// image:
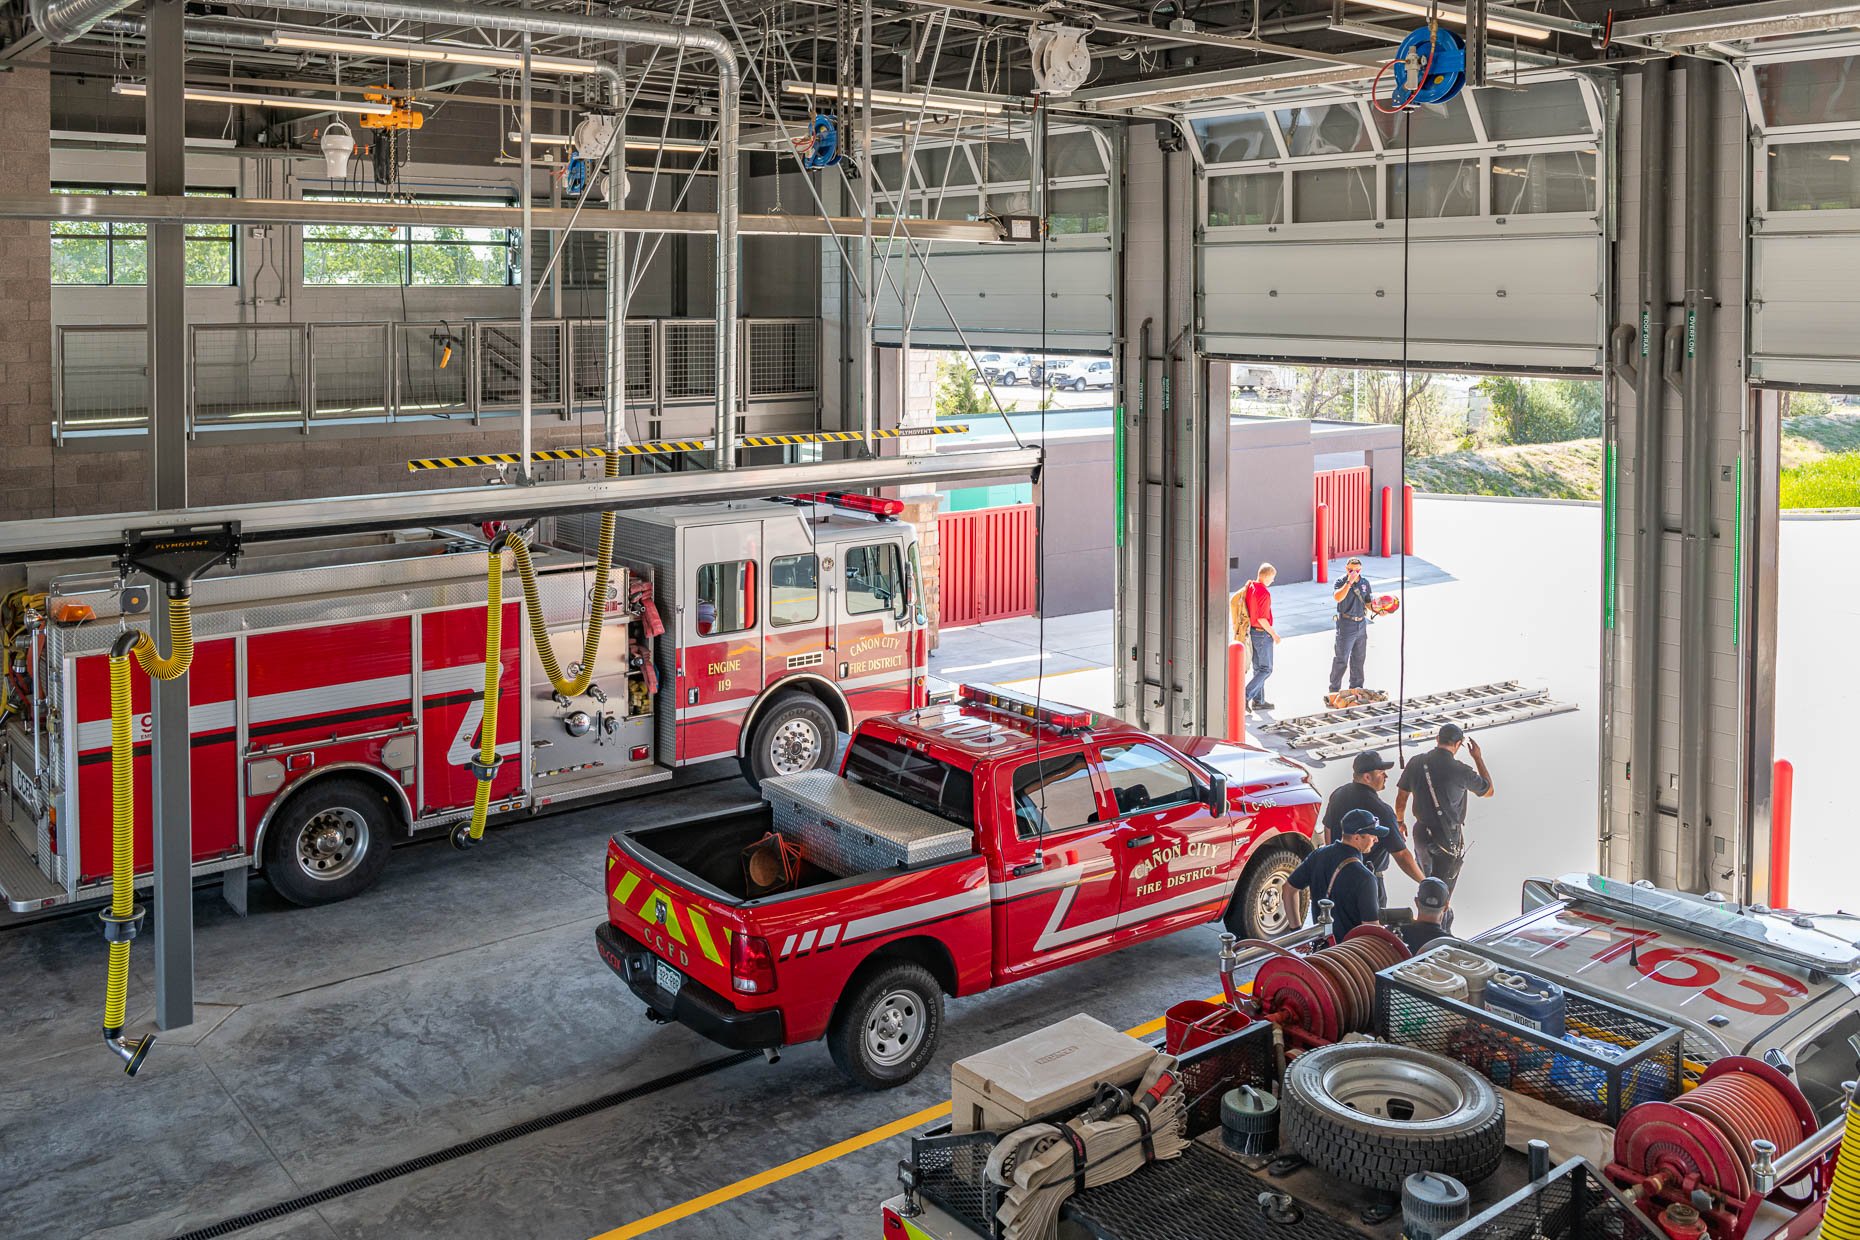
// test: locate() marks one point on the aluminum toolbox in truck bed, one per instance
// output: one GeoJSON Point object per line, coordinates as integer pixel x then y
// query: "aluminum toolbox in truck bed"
{"type": "Point", "coordinates": [851, 829]}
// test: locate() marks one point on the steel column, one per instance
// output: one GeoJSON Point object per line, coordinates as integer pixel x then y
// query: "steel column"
{"type": "Point", "coordinates": [1697, 858]}
{"type": "Point", "coordinates": [1649, 473]}
{"type": "Point", "coordinates": [526, 325]}
{"type": "Point", "coordinates": [166, 173]}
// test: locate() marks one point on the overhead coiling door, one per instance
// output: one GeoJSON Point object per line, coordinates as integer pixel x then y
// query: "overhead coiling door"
{"type": "Point", "coordinates": [1303, 255]}
{"type": "Point", "coordinates": [1034, 297]}
{"type": "Point", "coordinates": [1805, 219]}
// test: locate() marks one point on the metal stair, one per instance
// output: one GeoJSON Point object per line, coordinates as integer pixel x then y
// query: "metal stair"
{"type": "Point", "coordinates": [1341, 733]}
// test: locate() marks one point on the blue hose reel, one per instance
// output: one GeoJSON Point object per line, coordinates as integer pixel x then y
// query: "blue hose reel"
{"type": "Point", "coordinates": [1443, 77]}
{"type": "Point", "coordinates": [575, 176]}
{"type": "Point", "coordinates": [825, 151]}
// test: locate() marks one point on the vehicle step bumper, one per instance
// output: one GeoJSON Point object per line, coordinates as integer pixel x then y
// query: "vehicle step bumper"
{"type": "Point", "coordinates": [696, 1007]}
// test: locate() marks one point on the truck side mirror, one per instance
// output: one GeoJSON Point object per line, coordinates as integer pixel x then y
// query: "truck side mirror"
{"type": "Point", "coordinates": [1217, 794]}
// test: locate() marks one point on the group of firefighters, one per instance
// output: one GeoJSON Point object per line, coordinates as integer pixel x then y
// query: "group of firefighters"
{"type": "Point", "coordinates": [1364, 832]}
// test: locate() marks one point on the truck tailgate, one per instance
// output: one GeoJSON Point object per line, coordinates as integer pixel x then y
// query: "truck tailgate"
{"type": "Point", "coordinates": [689, 930]}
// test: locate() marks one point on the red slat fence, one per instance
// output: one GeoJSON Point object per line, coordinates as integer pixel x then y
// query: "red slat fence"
{"type": "Point", "coordinates": [1346, 495]}
{"type": "Point", "coordinates": [987, 564]}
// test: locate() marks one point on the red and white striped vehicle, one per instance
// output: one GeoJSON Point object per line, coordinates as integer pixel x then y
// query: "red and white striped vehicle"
{"type": "Point", "coordinates": [336, 690]}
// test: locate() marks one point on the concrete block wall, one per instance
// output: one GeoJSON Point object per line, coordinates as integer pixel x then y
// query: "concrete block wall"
{"type": "Point", "coordinates": [1725, 808]}
{"type": "Point", "coordinates": [26, 453]}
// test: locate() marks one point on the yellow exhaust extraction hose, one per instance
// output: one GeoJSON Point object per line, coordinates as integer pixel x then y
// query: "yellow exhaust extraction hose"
{"type": "Point", "coordinates": [468, 834]}
{"type": "Point", "coordinates": [532, 603]}
{"type": "Point", "coordinates": [123, 919]}
{"type": "Point", "coordinates": [1841, 1221]}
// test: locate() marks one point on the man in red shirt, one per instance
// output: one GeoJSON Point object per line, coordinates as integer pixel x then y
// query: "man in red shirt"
{"type": "Point", "coordinates": [1261, 635]}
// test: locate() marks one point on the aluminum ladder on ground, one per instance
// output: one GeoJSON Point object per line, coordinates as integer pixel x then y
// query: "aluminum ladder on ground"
{"type": "Point", "coordinates": [1340, 733]}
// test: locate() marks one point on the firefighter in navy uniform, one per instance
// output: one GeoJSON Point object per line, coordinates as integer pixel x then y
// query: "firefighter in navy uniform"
{"type": "Point", "coordinates": [1340, 873]}
{"type": "Point", "coordinates": [1369, 776]}
{"type": "Point", "coordinates": [1430, 915]}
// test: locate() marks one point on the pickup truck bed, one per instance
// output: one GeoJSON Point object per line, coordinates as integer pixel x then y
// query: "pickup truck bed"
{"type": "Point", "coordinates": [709, 851]}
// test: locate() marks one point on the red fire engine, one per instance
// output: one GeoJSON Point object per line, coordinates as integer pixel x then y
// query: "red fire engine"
{"type": "Point", "coordinates": [337, 685]}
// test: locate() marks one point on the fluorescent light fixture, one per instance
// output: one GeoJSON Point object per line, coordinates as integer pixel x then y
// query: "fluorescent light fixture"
{"type": "Point", "coordinates": [444, 53]}
{"type": "Point", "coordinates": [632, 144]}
{"type": "Point", "coordinates": [1415, 9]}
{"type": "Point", "coordinates": [307, 103]}
{"type": "Point", "coordinates": [938, 101]}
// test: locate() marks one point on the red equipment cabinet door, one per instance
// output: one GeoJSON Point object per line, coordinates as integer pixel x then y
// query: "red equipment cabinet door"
{"type": "Point", "coordinates": [452, 705]}
{"type": "Point", "coordinates": [214, 766]}
{"type": "Point", "coordinates": [1174, 857]}
{"type": "Point", "coordinates": [720, 629]}
{"type": "Point", "coordinates": [1059, 891]}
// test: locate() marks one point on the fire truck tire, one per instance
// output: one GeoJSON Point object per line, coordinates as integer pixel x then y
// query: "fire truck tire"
{"type": "Point", "coordinates": [794, 733]}
{"type": "Point", "coordinates": [1374, 1114]}
{"type": "Point", "coordinates": [887, 1026]}
{"type": "Point", "coordinates": [1264, 904]}
{"type": "Point", "coordinates": [330, 841]}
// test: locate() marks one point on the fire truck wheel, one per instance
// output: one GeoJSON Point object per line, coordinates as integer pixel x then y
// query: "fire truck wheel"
{"type": "Point", "coordinates": [1264, 904]}
{"type": "Point", "coordinates": [329, 842]}
{"type": "Point", "coordinates": [887, 1025]}
{"type": "Point", "coordinates": [1373, 1114]}
{"type": "Point", "coordinates": [795, 733]}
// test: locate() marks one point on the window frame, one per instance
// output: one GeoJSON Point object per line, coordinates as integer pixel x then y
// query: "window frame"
{"type": "Point", "coordinates": [748, 593]}
{"type": "Point", "coordinates": [1197, 790]}
{"type": "Point", "coordinates": [112, 233]}
{"type": "Point", "coordinates": [775, 620]}
{"type": "Point", "coordinates": [888, 608]}
{"type": "Point", "coordinates": [1094, 776]}
{"type": "Point", "coordinates": [405, 241]}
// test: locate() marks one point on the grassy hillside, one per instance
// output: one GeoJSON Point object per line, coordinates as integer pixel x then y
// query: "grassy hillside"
{"type": "Point", "coordinates": [1571, 470]}
{"type": "Point", "coordinates": [1820, 457]}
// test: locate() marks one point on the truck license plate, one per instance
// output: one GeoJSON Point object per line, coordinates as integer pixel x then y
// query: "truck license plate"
{"type": "Point", "coordinates": [669, 979]}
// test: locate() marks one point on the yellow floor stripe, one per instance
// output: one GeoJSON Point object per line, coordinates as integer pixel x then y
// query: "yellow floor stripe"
{"type": "Point", "coordinates": [807, 1162]}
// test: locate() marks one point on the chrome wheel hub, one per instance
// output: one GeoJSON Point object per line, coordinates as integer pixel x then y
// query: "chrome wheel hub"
{"type": "Point", "coordinates": [1274, 910]}
{"type": "Point", "coordinates": [332, 843]}
{"type": "Point", "coordinates": [795, 746]}
{"type": "Point", "coordinates": [894, 1028]}
{"type": "Point", "coordinates": [1393, 1089]}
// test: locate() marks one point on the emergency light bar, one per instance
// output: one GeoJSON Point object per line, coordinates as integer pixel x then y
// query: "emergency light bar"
{"type": "Point", "coordinates": [854, 503]}
{"type": "Point", "coordinates": [1065, 718]}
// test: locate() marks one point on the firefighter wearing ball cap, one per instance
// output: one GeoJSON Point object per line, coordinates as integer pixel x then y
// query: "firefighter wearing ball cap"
{"type": "Point", "coordinates": [1340, 873]}
{"type": "Point", "coordinates": [1430, 915]}
{"type": "Point", "coordinates": [1369, 776]}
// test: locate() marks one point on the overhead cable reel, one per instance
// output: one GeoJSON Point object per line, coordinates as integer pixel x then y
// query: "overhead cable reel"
{"type": "Point", "coordinates": [1061, 61]}
{"type": "Point", "coordinates": [823, 149]}
{"type": "Point", "coordinates": [1430, 67]}
{"type": "Point", "coordinates": [597, 136]}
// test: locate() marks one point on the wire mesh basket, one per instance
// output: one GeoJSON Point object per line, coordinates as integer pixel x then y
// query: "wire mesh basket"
{"type": "Point", "coordinates": [1573, 1202]}
{"type": "Point", "coordinates": [1606, 1060]}
{"type": "Point", "coordinates": [947, 1169]}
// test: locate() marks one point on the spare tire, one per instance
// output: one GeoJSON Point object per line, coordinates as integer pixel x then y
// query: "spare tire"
{"type": "Point", "coordinates": [1375, 1114]}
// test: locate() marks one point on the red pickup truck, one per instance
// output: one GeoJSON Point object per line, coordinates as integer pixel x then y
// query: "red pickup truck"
{"type": "Point", "coordinates": [1076, 834]}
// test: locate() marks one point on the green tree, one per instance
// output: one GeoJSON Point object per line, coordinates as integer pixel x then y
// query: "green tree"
{"type": "Point", "coordinates": [957, 394]}
{"type": "Point", "coordinates": [1532, 411]}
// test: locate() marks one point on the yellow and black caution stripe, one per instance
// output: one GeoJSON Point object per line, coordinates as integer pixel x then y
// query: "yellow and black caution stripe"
{"type": "Point", "coordinates": [662, 447]}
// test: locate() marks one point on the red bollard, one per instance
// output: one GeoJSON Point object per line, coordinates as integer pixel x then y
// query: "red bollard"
{"type": "Point", "coordinates": [1407, 519]}
{"type": "Point", "coordinates": [1388, 507]}
{"type": "Point", "coordinates": [1236, 691]}
{"type": "Point", "coordinates": [1322, 522]}
{"type": "Point", "coordinates": [1782, 808]}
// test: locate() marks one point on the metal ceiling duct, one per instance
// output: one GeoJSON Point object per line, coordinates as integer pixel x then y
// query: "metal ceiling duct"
{"type": "Point", "coordinates": [64, 20]}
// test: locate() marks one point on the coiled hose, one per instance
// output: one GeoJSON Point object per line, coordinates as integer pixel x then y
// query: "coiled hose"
{"type": "Point", "coordinates": [484, 768]}
{"type": "Point", "coordinates": [123, 919]}
{"type": "Point", "coordinates": [1841, 1221]}
{"type": "Point", "coordinates": [532, 602]}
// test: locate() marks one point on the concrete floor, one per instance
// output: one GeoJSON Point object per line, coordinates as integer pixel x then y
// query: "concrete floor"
{"type": "Point", "coordinates": [458, 997]}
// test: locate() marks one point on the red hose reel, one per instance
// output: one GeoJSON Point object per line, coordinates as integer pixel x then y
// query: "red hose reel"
{"type": "Point", "coordinates": [1701, 1141]}
{"type": "Point", "coordinates": [1317, 998]}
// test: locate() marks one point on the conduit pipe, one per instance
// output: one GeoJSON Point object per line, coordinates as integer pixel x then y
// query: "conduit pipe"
{"type": "Point", "coordinates": [1650, 472]}
{"type": "Point", "coordinates": [1698, 458]}
{"type": "Point", "coordinates": [64, 20]}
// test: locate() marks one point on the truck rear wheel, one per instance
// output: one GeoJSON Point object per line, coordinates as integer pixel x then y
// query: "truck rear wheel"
{"type": "Point", "coordinates": [329, 842]}
{"type": "Point", "coordinates": [887, 1027]}
{"type": "Point", "coordinates": [1265, 904]}
{"type": "Point", "coordinates": [795, 733]}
